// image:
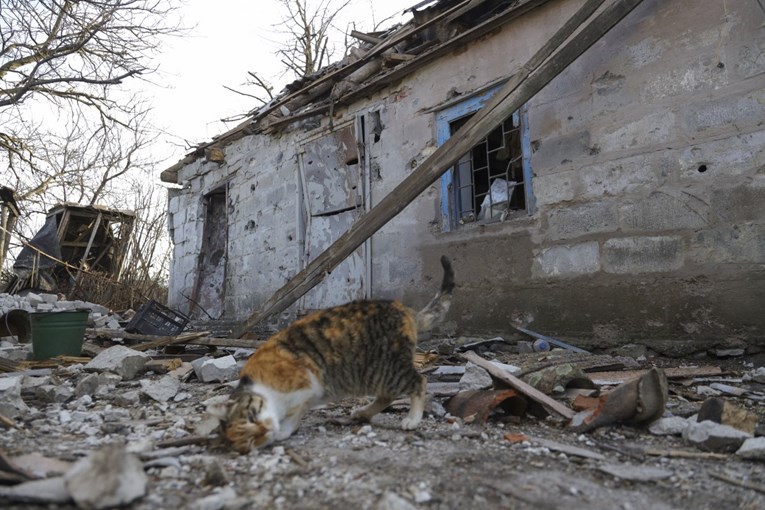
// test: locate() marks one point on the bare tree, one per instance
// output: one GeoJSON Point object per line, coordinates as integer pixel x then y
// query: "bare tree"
{"type": "Point", "coordinates": [70, 130]}
{"type": "Point", "coordinates": [308, 30]}
{"type": "Point", "coordinates": [68, 55]}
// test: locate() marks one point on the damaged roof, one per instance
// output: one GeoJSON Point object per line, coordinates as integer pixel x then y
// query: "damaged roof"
{"type": "Point", "coordinates": [380, 59]}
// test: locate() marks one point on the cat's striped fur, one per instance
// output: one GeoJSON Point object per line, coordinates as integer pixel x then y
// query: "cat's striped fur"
{"type": "Point", "coordinates": [358, 349]}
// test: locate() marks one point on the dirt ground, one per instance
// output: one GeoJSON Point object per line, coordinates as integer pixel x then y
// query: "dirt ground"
{"type": "Point", "coordinates": [445, 464]}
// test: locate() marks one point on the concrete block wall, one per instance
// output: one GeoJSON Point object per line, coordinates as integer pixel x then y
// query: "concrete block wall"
{"type": "Point", "coordinates": [648, 167]}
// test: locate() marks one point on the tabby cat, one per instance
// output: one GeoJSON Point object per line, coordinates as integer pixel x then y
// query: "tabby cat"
{"type": "Point", "coordinates": [357, 349]}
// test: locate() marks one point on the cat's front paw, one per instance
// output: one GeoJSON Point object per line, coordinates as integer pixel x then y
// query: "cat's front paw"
{"type": "Point", "coordinates": [410, 423]}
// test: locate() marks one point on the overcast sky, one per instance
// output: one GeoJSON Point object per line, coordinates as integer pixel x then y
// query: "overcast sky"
{"type": "Point", "coordinates": [229, 38]}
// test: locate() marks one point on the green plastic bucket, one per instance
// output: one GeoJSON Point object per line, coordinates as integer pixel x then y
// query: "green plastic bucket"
{"type": "Point", "coordinates": [57, 333]}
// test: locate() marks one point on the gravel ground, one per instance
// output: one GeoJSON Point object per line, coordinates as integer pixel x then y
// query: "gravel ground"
{"type": "Point", "coordinates": [327, 464]}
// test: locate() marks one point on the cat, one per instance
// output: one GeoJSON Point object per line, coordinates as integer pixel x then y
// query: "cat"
{"type": "Point", "coordinates": [358, 349]}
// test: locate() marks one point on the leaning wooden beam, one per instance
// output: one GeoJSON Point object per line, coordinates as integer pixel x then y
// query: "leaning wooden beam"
{"type": "Point", "coordinates": [519, 385]}
{"type": "Point", "coordinates": [518, 90]}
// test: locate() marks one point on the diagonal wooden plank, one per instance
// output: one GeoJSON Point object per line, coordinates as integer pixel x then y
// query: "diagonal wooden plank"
{"type": "Point", "coordinates": [532, 77]}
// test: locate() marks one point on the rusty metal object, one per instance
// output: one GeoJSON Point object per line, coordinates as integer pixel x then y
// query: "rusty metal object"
{"type": "Point", "coordinates": [636, 402]}
{"type": "Point", "coordinates": [477, 405]}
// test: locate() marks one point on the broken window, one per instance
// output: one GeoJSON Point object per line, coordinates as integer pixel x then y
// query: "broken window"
{"type": "Point", "coordinates": [492, 181]}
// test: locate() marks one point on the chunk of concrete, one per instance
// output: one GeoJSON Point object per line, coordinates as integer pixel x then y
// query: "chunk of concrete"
{"type": "Point", "coordinates": [54, 393]}
{"type": "Point", "coordinates": [671, 426]}
{"type": "Point", "coordinates": [11, 403]}
{"type": "Point", "coordinates": [121, 360]}
{"type": "Point", "coordinates": [162, 389]}
{"type": "Point", "coordinates": [221, 369]}
{"type": "Point", "coordinates": [753, 449]}
{"type": "Point", "coordinates": [635, 473]}
{"type": "Point", "coordinates": [475, 378]}
{"type": "Point", "coordinates": [109, 478]}
{"type": "Point", "coordinates": [714, 437]}
{"type": "Point", "coordinates": [216, 500]}
{"type": "Point", "coordinates": [720, 410]}
{"type": "Point", "coordinates": [392, 501]}
{"type": "Point", "coordinates": [756, 375]}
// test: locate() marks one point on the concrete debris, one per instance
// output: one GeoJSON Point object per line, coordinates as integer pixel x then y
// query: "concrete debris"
{"type": "Point", "coordinates": [753, 449]}
{"type": "Point", "coordinates": [714, 437]}
{"type": "Point", "coordinates": [121, 360]}
{"type": "Point", "coordinates": [392, 501]}
{"type": "Point", "coordinates": [73, 412]}
{"type": "Point", "coordinates": [756, 375]}
{"type": "Point", "coordinates": [110, 477]}
{"type": "Point", "coordinates": [475, 378]}
{"type": "Point", "coordinates": [52, 393]}
{"type": "Point", "coordinates": [729, 353]}
{"type": "Point", "coordinates": [215, 501]}
{"type": "Point", "coordinates": [635, 473]}
{"type": "Point", "coordinates": [162, 389]}
{"type": "Point", "coordinates": [724, 411]}
{"type": "Point", "coordinates": [221, 369]}
{"type": "Point", "coordinates": [670, 426]}
{"type": "Point", "coordinates": [11, 403]}
{"type": "Point", "coordinates": [96, 384]}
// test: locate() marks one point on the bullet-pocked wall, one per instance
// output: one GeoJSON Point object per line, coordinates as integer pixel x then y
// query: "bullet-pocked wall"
{"type": "Point", "coordinates": [645, 161]}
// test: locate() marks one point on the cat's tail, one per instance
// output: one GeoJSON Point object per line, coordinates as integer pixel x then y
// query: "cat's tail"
{"type": "Point", "coordinates": [435, 311]}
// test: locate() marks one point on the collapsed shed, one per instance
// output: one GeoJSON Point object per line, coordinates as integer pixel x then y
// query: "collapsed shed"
{"type": "Point", "coordinates": [619, 200]}
{"type": "Point", "coordinates": [74, 241]}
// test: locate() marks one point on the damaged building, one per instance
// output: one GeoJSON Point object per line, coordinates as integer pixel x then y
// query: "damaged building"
{"type": "Point", "coordinates": [621, 201]}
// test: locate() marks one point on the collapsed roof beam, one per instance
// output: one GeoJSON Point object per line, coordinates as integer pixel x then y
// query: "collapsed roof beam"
{"type": "Point", "coordinates": [530, 79]}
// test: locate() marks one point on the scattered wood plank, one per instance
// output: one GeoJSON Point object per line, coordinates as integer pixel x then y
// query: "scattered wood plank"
{"type": "Point", "coordinates": [57, 362]}
{"type": "Point", "coordinates": [243, 343]}
{"type": "Point", "coordinates": [297, 459]}
{"type": "Point", "coordinates": [193, 340]}
{"type": "Point", "coordinates": [684, 454]}
{"type": "Point", "coordinates": [118, 333]}
{"type": "Point", "coordinates": [519, 385]}
{"type": "Point", "coordinates": [7, 422]}
{"type": "Point", "coordinates": [180, 339]}
{"type": "Point", "coordinates": [738, 482]}
{"type": "Point", "coordinates": [7, 365]}
{"type": "Point", "coordinates": [671, 373]}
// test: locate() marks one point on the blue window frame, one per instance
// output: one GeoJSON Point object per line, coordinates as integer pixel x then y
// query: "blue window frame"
{"type": "Point", "coordinates": [492, 182]}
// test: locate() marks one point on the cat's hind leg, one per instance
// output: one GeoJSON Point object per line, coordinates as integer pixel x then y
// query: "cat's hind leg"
{"type": "Point", "coordinates": [365, 413]}
{"type": "Point", "coordinates": [418, 396]}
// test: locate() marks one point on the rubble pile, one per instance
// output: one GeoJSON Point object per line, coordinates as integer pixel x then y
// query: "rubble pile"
{"type": "Point", "coordinates": [32, 302]}
{"type": "Point", "coordinates": [506, 425]}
